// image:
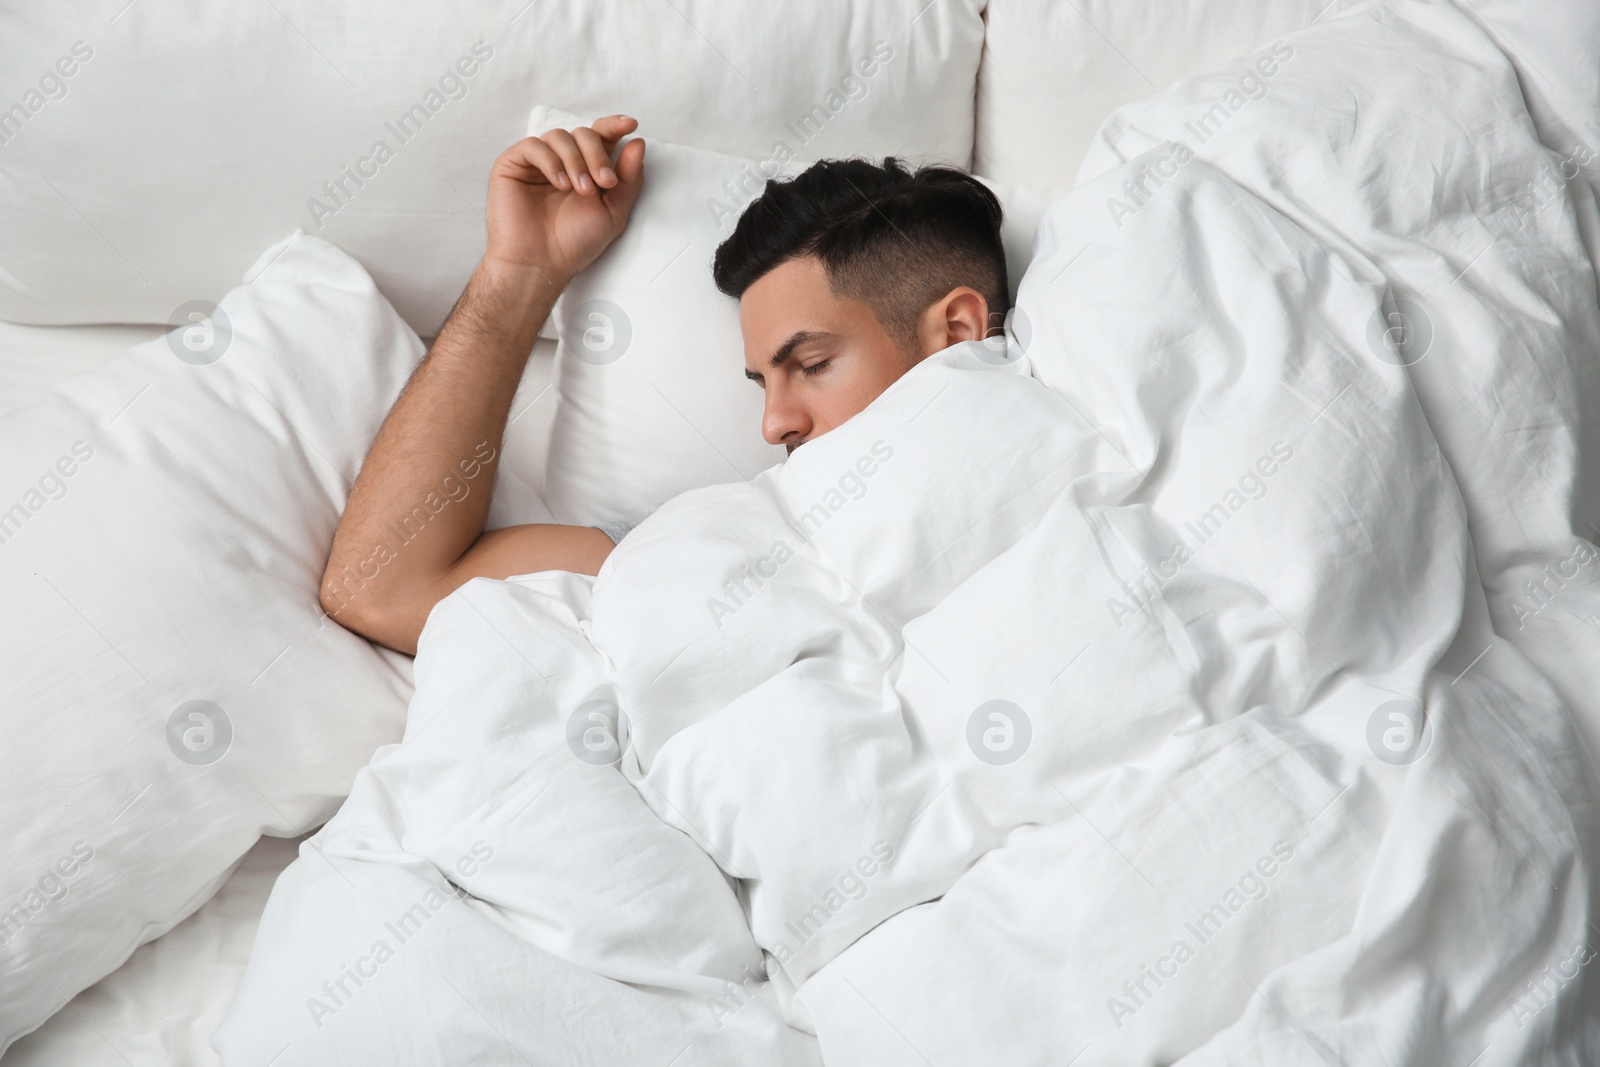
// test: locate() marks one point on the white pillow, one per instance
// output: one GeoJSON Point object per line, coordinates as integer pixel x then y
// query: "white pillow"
{"type": "Point", "coordinates": [1024, 206]}
{"type": "Point", "coordinates": [651, 398]}
{"type": "Point", "coordinates": [172, 689]}
{"type": "Point", "coordinates": [218, 125]}
{"type": "Point", "coordinates": [1052, 72]}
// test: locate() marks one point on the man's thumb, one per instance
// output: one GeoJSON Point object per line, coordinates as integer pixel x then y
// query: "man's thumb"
{"type": "Point", "coordinates": [630, 178]}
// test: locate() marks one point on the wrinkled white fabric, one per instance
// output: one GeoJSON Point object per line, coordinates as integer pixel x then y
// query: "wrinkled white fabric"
{"type": "Point", "coordinates": [1130, 695]}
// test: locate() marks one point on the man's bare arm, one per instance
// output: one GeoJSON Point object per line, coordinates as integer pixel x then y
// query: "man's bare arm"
{"type": "Point", "coordinates": [412, 531]}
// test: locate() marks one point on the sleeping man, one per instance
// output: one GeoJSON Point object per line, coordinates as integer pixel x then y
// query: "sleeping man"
{"type": "Point", "coordinates": [847, 276]}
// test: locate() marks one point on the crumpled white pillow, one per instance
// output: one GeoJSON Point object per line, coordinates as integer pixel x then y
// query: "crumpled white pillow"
{"type": "Point", "coordinates": [172, 689]}
{"type": "Point", "coordinates": [651, 398]}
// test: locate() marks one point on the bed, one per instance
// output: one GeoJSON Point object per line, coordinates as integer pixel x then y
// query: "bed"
{"type": "Point", "coordinates": [1111, 87]}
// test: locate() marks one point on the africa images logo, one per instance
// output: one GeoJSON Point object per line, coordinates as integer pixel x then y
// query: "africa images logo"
{"type": "Point", "coordinates": [1252, 484]}
{"type": "Point", "coordinates": [454, 84]}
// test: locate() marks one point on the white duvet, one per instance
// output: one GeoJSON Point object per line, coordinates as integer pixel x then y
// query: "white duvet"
{"type": "Point", "coordinates": [1128, 696]}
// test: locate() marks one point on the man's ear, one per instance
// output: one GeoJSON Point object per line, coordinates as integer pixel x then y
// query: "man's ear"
{"type": "Point", "coordinates": [962, 314]}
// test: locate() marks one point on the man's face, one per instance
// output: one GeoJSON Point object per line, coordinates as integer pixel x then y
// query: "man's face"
{"type": "Point", "coordinates": [819, 358]}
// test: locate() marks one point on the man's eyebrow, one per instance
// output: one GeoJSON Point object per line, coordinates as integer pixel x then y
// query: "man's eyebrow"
{"type": "Point", "coordinates": [796, 339]}
{"type": "Point", "coordinates": [785, 350]}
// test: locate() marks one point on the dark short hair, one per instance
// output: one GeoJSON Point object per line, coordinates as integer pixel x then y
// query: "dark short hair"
{"type": "Point", "coordinates": [894, 238]}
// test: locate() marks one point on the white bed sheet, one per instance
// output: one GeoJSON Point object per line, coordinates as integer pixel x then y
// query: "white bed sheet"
{"type": "Point", "coordinates": [159, 1008]}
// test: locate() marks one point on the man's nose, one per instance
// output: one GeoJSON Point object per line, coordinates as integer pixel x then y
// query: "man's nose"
{"type": "Point", "coordinates": [784, 421]}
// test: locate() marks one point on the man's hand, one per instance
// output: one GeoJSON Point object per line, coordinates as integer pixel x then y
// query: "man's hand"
{"type": "Point", "coordinates": [412, 531]}
{"type": "Point", "coordinates": [555, 202]}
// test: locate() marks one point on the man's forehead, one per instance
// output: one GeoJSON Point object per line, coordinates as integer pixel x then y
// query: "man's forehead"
{"type": "Point", "coordinates": [794, 298]}
{"type": "Point", "coordinates": [782, 303]}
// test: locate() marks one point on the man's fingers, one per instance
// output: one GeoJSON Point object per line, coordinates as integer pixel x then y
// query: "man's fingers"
{"type": "Point", "coordinates": [564, 145]}
{"type": "Point", "coordinates": [531, 159]}
{"type": "Point", "coordinates": [630, 178]}
{"type": "Point", "coordinates": [596, 156]}
{"type": "Point", "coordinates": [576, 160]}
{"type": "Point", "coordinates": [612, 128]}
{"type": "Point", "coordinates": [630, 164]}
